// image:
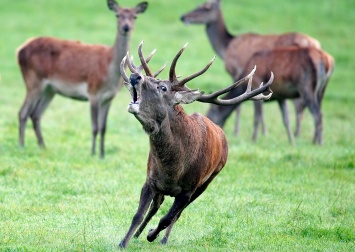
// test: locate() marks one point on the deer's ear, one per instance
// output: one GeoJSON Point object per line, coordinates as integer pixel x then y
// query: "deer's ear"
{"type": "Point", "coordinates": [112, 5]}
{"type": "Point", "coordinates": [187, 96]}
{"type": "Point", "coordinates": [141, 7]}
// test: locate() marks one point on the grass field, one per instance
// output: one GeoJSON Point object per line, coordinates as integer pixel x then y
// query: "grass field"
{"type": "Point", "coordinates": [269, 197]}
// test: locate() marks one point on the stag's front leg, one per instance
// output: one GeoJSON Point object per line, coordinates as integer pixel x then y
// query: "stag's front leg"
{"type": "Point", "coordinates": [145, 199]}
{"type": "Point", "coordinates": [181, 201]}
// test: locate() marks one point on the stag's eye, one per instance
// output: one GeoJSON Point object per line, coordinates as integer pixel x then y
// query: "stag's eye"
{"type": "Point", "coordinates": [162, 88]}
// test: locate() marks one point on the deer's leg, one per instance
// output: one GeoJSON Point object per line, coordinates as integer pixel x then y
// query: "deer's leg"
{"type": "Point", "coordinates": [145, 199]}
{"type": "Point", "coordinates": [102, 120]}
{"type": "Point", "coordinates": [237, 119]}
{"type": "Point", "coordinates": [317, 115]}
{"type": "Point", "coordinates": [94, 109]}
{"type": "Point", "coordinates": [180, 202]}
{"type": "Point", "coordinates": [36, 115]}
{"type": "Point", "coordinates": [284, 111]}
{"type": "Point", "coordinates": [157, 201]}
{"type": "Point", "coordinates": [299, 108]}
{"type": "Point", "coordinates": [262, 119]}
{"type": "Point", "coordinates": [26, 109]}
{"type": "Point", "coordinates": [257, 118]}
{"type": "Point", "coordinates": [197, 193]}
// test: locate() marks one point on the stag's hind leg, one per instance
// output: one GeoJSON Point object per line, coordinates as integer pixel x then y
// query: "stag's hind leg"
{"type": "Point", "coordinates": [196, 194]}
{"type": "Point", "coordinates": [157, 201]}
{"type": "Point", "coordinates": [180, 202]}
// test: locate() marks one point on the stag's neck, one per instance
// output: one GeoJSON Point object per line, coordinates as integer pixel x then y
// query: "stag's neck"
{"type": "Point", "coordinates": [218, 35]}
{"type": "Point", "coordinates": [167, 131]}
{"type": "Point", "coordinates": [172, 139]}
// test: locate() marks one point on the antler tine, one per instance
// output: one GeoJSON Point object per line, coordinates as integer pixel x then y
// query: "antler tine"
{"type": "Point", "coordinates": [122, 69]}
{"type": "Point", "coordinates": [261, 96]}
{"type": "Point", "coordinates": [143, 61]}
{"type": "Point", "coordinates": [130, 64]}
{"type": "Point", "coordinates": [227, 89]}
{"type": "Point", "coordinates": [138, 69]}
{"type": "Point", "coordinates": [187, 79]}
{"type": "Point", "coordinates": [248, 94]}
{"type": "Point", "coordinates": [159, 71]}
{"type": "Point", "coordinates": [172, 75]}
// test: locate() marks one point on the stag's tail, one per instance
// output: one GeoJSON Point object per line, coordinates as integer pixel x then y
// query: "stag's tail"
{"type": "Point", "coordinates": [325, 67]}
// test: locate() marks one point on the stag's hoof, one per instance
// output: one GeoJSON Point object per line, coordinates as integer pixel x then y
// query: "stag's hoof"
{"type": "Point", "coordinates": [151, 235]}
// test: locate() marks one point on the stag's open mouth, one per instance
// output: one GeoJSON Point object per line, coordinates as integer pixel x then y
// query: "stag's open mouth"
{"type": "Point", "coordinates": [135, 97]}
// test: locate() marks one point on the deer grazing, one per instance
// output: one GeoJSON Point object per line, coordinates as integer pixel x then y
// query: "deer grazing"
{"type": "Point", "coordinates": [236, 51]}
{"type": "Point", "coordinates": [80, 71]}
{"type": "Point", "coordinates": [299, 72]}
{"type": "Point", "coordinates": [186, 151]}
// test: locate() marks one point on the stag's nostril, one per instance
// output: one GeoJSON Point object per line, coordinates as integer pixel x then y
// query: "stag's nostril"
{"type": "Point", "coordinates": [134, 79]}
{"type": "Point", "coordinates": [182, 18]}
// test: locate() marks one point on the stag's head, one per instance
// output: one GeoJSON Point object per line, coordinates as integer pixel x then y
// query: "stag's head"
{"type": "Point", "coordinates": [126, 16]}
{"type": "Point", "coordinates": [155, 96]}
{"type": "Point", "coordinates": [204, 14]}
{"type": "Point", "coordinates": [154, 99]}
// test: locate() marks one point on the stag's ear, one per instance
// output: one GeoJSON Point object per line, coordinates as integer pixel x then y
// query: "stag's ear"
{"type": "Point", "coordinates": [141, 7]}
{"type": "Point", "coordinates": [187, 96]}
{"type": "Point", "coordinates": [112, 5]}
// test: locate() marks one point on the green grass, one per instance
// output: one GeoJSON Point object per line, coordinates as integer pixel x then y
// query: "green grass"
{"type": "Point", "coordinates": [269, 197]}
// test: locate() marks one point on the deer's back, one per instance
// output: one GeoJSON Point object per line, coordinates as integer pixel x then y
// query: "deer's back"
{"type": "Point", "coordinates": [242, 47]}
{"type": "Point", "coordinates": [295, 69]}
{"type": "Point", "coordinates": [63, 59]}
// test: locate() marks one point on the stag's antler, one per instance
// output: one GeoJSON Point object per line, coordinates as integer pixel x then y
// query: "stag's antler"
{"type": "Point", "coordinates": [213, 98]}
{"type": "Point", "coordinates": [255, 95]}
{"type": "Point", "coordinates": [138, 69]}
{"type": "Point", "coordinates": [172, 76]}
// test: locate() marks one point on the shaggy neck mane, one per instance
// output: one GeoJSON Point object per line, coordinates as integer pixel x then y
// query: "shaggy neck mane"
{"type": "Point", "coordinates": [177, 135]}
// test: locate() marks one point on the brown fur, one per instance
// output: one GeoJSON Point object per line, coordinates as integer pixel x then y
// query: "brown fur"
{"type": "Point", "coordinates": [48, 57]}
{"type": "Point", "coordinates": [299, 72]}
{"type": "Point", "coordinates": [186, 151]}
{"type": "Point", "coordinates": [76, 70]}
{"type": "Point", "coordinates": [237, 50]}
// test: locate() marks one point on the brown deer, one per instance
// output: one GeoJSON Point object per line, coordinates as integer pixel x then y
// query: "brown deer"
{"type": "Point", "coordinates": [237, 50]}
{"type": "Point", "coordinates": [186, 151]}
{"type": "Point", "coordinates": [299, 72]}
{"type": "Point", "coordinates": [76, 70]}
